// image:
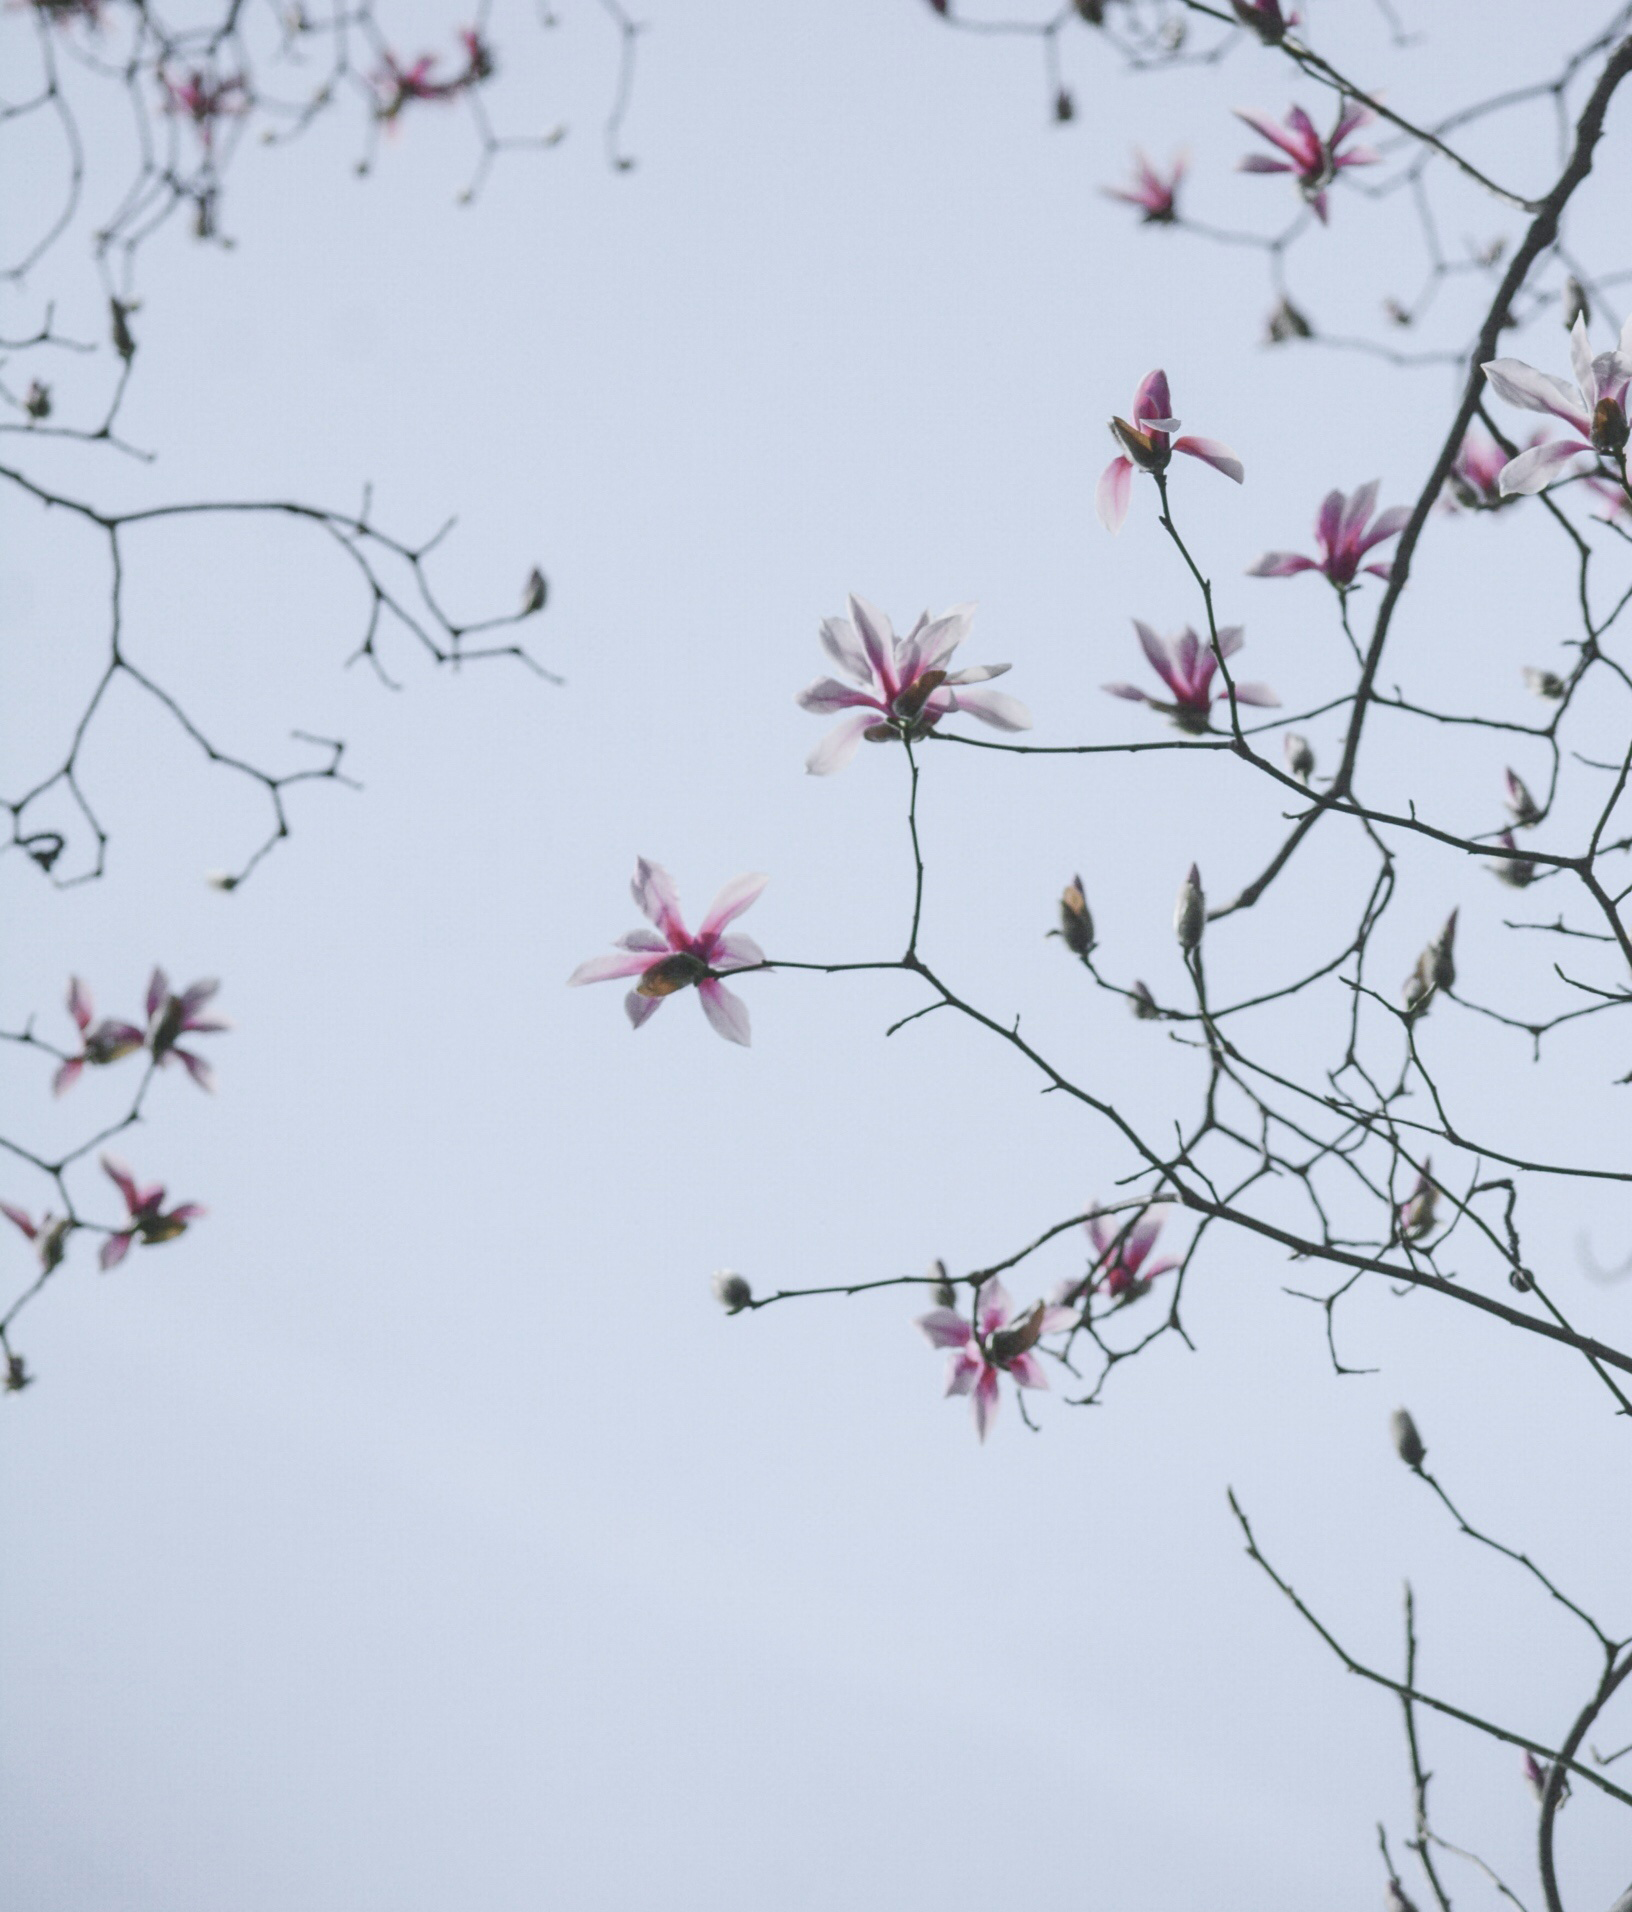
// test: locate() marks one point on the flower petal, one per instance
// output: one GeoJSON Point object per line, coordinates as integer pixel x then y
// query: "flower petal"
{"type": "Point", "coordinates": [1534, 391]}
{"type": "Point", "coordinates": [839, 640]}
{"type": "Point", "coordinates": [737, 896]}
{"type": "Point", "coordinates": [124, 1181]}
{"type": "Point", "coordinates": [1114, 491]}
{"type": "Point", "coordinates": [113, 1251]}
{"type": "Point", "coordinates": [67, 1075]}
{"type": "Point", "coordinates": [986, 1399]}
{"type": "Point", "coordinates": [1262, 163]}
{"type": "Point", "coordinates": [827, 693]}
{"type": "Point", "coordinates": [1270, 129]}
{"type": "Point", "coordinates": [1280, 564]}
{"type": "Point", "coordinates": [657, 899]}
{"type": "Point", "coordinates": [1153, 402]}
{"type": "Point", "coordinates": [1260, 694]}
{"type": "Point", "coordinates": [736, 952]}
{"type": "Point", "coordinates": [728, 1014]}
{"type": "Point", "coordinates": [1028, 1371]}
{"type": "Point", "coordinates": [79, 1004]}
{"type": "Point", "coordinates": [158, 987]}
{"type": "Point", "coordinates": [1535, 470]}
{"type": "Point", "coordinates": [646, 939]}
{"type": "Point", "coordinates": [19, 1218]}
{"type": "Point", "coordinates": [944, 1327]}
{"type": "Point", "coordinates": [603, 969]}
{"type": "Point", "coordinates": [992, 1305]}
{"type": "Point", "coordinates": [1211, 452]}
{"type": "Point", "coordinates": [639, 1008]}
{"type": "Point", "coordinates": [877, 640]}
{"type": "Point", "coordinates": [838, 746]}
{"type": "Point", "coordinates": [993, 707]}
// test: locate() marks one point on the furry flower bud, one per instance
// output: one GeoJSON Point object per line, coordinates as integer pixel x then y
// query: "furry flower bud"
{"type": "Point", "coordinates": [1300, 758]}
{"type": "Point", "coordinates": [1521, 805]}
{"type": "Point", "coordinates": [1190, 912]}
{"type": "Point", "coordinates": [946, 1296]}
{"type": "Point", "coordinates": [1143, 1003]}
{"type": "Point", "coordinates": [1407, 1441]}
{"type": "Point", "coordinates": [731, 1291]}
{"type": "Point", "coordinates": [37, 399]}
{"type": "Point", "coordinates": [1546, 684]}
{"type": "Point", "coordinates": [534, 592]}
{"type": "Point", "coordinates": [1076, 920]}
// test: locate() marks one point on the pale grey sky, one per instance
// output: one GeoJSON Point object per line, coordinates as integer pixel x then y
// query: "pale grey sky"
{"type": "Point", "coordinates": [417, 1533]}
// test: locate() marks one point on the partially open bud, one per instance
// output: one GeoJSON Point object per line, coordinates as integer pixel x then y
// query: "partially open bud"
{"type": "Point", "coordinates": [1287, 322]}
{"type": "Point", "coordinates": [1076, 922]}
{"type": "Point", "coordinates": [731, 1291]}
{"type": "Point", "coordinates": [1417, 1211]}
{"type": "Point", "coordinates": [1143, 1003]}
{"type": "Point", "coordinates": [17, 1376]}
{"type": "Point", "coordinates": [1573, 303]}
{"type": "Point", "coordinates": [37, 399]}
{"type": "Point", "coordinates": [1523, 807]}
{"type": "Point", "coordinates": [678, 971]}
{"type": "Point", "coordinates": [946, 1296]}
{"type": "Point", "coordinates": [1544, 683]}
{"type": "Point", "coordinates": [1190, 912]}
{"type": "Point", "coordinates": [534, 592]}
{"type": "Point", "coordinates": [1265, 18]}
{"type": "Point", "coordinates": [1443, 968]}
{"type": "Point", "coordinates": [1300, 758]}
{"type": "Point", "coordinates": [1065, 108]}
{"type": "Point", "coordinates": [1407, 1441]}
{"type": "Point", "coordinates": [1519, 872]}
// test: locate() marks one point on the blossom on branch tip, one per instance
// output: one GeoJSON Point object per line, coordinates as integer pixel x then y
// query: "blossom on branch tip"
{"type": "Point", "coordinates": [1546, 684]}
{"type": "Point", "coordinates": [1435, 968]}
{"type": "Point", "coordinates": [906, 687]}
{"type": "Point", "coordinates": [1407, 1441]}
{"type": "Point", "coordinates": [1300, 757]}
{"type": "Point", "coordinates": [1521, 805]}
{"type": "Point", "coordinates": [1594, 407]}
{"type": "Point", "coordinates": [731, 1291]}
{"type": "Point", "coordinates": [1538, 1777]}
{"type": "Point", "coordinates": [1142, 1003]}
{"type": "Point", "coordinates": [1076, 928]}
{"type": "Point", "coordinates": [49, 1234]}
{"type": "Point", "coordinates": [1122, 1268]}
{"type": "Point", "coordinates": [1150, 192]}
{"type": "Point", "coordinates": [1190, 912]}
{"type": "Point", "coordinates": [1287, 322]}
{"type": "Point", "coordinates": [17, 1376]}
{"type": "Point", "coordinates": [1314, 162]}
{"type": "Point", "coordinates": [170, 1017]}
{"type": "Point", "coordinates": [148, 1221]}
{"type": "Point", "coordinates": [1265, 18]}
{"type": "Point", "coordinates": [203, 99]}
{"type": "Point", "coordinates": [1475, 480]}
{"type": "Point", "coordinates": [37, 400]}
{"type": "Point", "coordinates": [992, 1345]}
{"type": "Point", "coordinates": [1149, 444]}
{"type": "Point", "coordinates": [1395, 1900]}
{"type": "Point", "coordinates": [1345, 531]}
{"type": "Point", "coordinates": [99, 1042]}
{"type": "Point", "coordinates": [668, 958]}
{"type": "Point", "coordinates": [534, 592]}
{"type": "Point", "coordinates": [1187, 666]}
{"type": "Point", "coordinates": [1518, 872]}
{"type": "Point", "coordinates": [1418, 1212]}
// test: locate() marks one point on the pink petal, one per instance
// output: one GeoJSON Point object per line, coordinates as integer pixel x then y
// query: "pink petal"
{"type": "Point", "coordinates": [19, 1219]}
{"type": "Point", "coordinates": [838, 746]}
{"type": "Point", "coordinates": [1388, 524]}
{"type": "Point", "coordinates": [978, 674]}
{"type": "Point", "coordinates": [113, 1251]}
{"type": "Point", "coordinates": [1230, 640]}
{"type": "Point", "coordinates": [985, 1401]}
{"type": "Point", "coordinates": [1130, 691]}
{"type": "Point", "coordinates": [992, 1306]}
{"type": "Point", "coordinates": [658, 900]}
{"type": "Point", "coordinates": [878, 640]}
{"type": "Point", "coordinates": [1321, 208]}
{"type": "Point", "coordinates": [124, 1181]}
{"type": "Point", "coordinates": [1581, 362]}
{"type": "Point", "coordinates": [67, 1075]}
{"type": "Point", "coordinates": [994, 708]}
{"type": "Point", "coordinates": [840, 642]}
{"type": "Point", "coordinates": [200, 1070]}
{"type": "Point", "coordinates": [1056, 1319]}
{"type": "Point", "coordinates": [1262, 163]}
{"type": "Point", "coordinates": [728, 1014]}
{"type": "Point", "coordinates": [639, 1008]}
{"type": "Point", "coordinates": [1115, 490]}
{"type": "Point", "coordinates": [1280, 564]}
{"type": "Point", "coordinates": [1158, 655]}
{"type": "Point", "coordinates": [1259, 694]}
{"type": "Point", "coordinates": [944, 1327]}
{"type": "Point", "coordinates": [1028, 1371]}
{"type": "Point", "coordinates": [649, 940]}
{"type": "Point", "coordinates": [158, 987]}
{"type": "Point", "coordinates": [1211, 452]}
{"type": "Point", "coordinates": [188, 1212]}
{"type": "Point", "coordinates": [1153, 402]}
{"type": "Point", "coordinates": [1303, 131]}
{"type": "Point", "coordinates": [1534, 391]}
{"type": "Point", "coordinates": [602, 969]}
{"type": "Point", "coordinates": [827, 693]}
{"type": "Point", "coordinates": [1270, 129]}
{"type": "Point", "coordinates": [79, 1004]}
{"type": "Point", "coordinates": [1534, 470]}
{"type": "Point", "coordinates": [962, 1372]}
{"type": "Point", "coordinates": [737, 896]}
{"type": "Point", "coordinates": [736, 952]}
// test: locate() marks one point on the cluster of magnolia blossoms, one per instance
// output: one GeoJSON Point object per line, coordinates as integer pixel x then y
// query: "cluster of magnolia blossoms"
{"type": "Point", "coordinates": [1594, 408]}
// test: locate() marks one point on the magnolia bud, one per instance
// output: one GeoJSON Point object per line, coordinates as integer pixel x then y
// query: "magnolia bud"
{"type": "Point", "coordinates": [946, 1296]}
{"type": "Point", "coordinates": [534, 592]}
{"type": "Point", "coordinates": [37, 399]}
{"type": "Point", "coordinates": [221, 880]}
{"type": "Point", "coordinates": [1573, 303]}
{"type": "Point", "coordinates": [1443, 971]}
{"type": "Point", "coordinates": [1065, 108]}
{"type": "Point", "coordinates": [1517, 871]}
{"type": "Point", "coordinates": [731, 1291]}
{"type": "Point", "coordinates": [1544, 683]}
{"type": "Point", "coordinates": [1190, 912]}
{"type": "Point", "coordinates": [1300, 759]}
{"type": "Point", "coordinates": [1394, 1898]}
{"type": "Point", "coordinates": [1076, 921]}
{"type": "Point", "coordinates": [119, 329]}
{"type": "Point", "coordinates": [1524, 808]}
{"type": "Point", "coordinates": [1407, 1441]}
{"type": "Point", "coordinates": [17, 1376]}
{"type": "Point", "coordinates": [1287, 322]}
{"type": "Point", "coordinates": [1143, 1003]}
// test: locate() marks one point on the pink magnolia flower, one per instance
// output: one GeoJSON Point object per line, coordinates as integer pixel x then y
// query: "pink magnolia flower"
{"type": "Point", "coordinates": [906, 686]}
{"type": "Point", "coordinates": [49, 1234]}
{"type": "Point", "coordinates": [668, 957]}
{"type": "Point", "coordinates": [1155, 196]}
{"type": "Point", "coordinates": [203, 99]}
{"type": "Point", "coordinates": [100, 1044]}
{"type": "Point", "coordinates": [1121, 1254]}
{"type": "Point", "coordinates": [170, 1017]}
{"type": "Point", "coordinates": [1518, 872]}
{"type": "Point", "coordinates": [398, 84]}
{"type": "Point", "coordinates": [1187, 666]}
{"type": "Point", "coordinates": [1344, 538]}
{"type": "Point", "coordinates": [1149, 443]}
{"type": "Point", "coordinates": [148, 1223]}
{"type": "Point", "coordinates": [1266, 19]}
{"type": "Point", "coordinates": [1315, 162]}
{"type": "Point", "coordinates": [992, 1345]}
{"type": "Point", "coordinates": [1475, 477]}
{"type": "Point", "coordinates": [1594, 408]}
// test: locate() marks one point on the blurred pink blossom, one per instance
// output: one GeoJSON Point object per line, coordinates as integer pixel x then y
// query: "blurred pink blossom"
{"type": "Point", "coordinates": [49, 1234]}
{"type": "Point", "coordinates": [992, 1345]}
{"type": "Point", "coordinates": [171, 1017]}
{"type": "Point", "coordinates": [1148, 442]}
{"type": "Point", "coordinates": [1187, 666]}
{"type": "Point", "coordinates": [100, 1044]}
{"type": "Point", "coordinates": [906, 686]}
{"type": "Point", "coordinates": [1344, 538]}
{"type": "Point", "coordinates": [1594, 408]}
{"type": "Point", "coordinates": [149, 1223]}
{"type": "Point", "coordinates": [1155, 196]}
{"type": "Point", "coordinates": [668, 957]}
{"type": "Point", "coordinates": [1315, 162]}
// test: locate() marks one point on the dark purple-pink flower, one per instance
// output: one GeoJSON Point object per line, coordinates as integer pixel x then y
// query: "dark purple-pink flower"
{"type": "Point", "coordinates": [49, 1234]}
{"type": "Point", "coordinates": [1122, 1268]}
{"type": "Point", "coordinates": [149, 1222]}
{"type": "Point", "coordinates": [1346, 531]}
{"type": "Point", "coordinates": [668, 958]}
{"type": "Point", "coordinates": [1265, 18]}
{"type": "Point", "coordinates": [1154, 195]}
{"type": "Point", "coordinates": [1148, 442]}
{"type": "Point", "coordinates": [99, 1042]}
{"type": "Point", "coordinates": [1188, 666]}
{"type": "Point", "coordinates": [171, 1017]}
{"type": "Point", "coordinates": [203, 98]}
{"type": "Point", "coordinates": [906, 687]}
{"type": "Point", "coordinates": [992, 1345]}
{"type": "Point", "coordinates": [1313, 161]}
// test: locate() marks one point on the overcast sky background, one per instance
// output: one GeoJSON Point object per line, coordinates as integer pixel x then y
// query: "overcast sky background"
{"type": "Point", "coordinates": [417, 1532]}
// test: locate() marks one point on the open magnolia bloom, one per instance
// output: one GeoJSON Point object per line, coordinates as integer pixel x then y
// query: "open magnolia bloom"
{"type": "Point", "coordinates": [1345, 537]}
{"type": "Point", "coordinates": [99, 1042]}
{"type": "Point", "coordinates": [1121, 1268]}
{"type": "Point", "coordinates": [993, 1344]}
{"type": "Point", "coordinates": [905, 687]}
{"type": "Point", "coordinates": [668, 958]}
{"type": "Point", "coordinates": [171, 1017]}
{"type": "Point", "coordinates": [149, 1221]}
{"type": "Point", "coordinates": [1187, 666]}
{"type": "Point", "coordinates": [1594, 408]}
{"type": "Point", "coordinates": [1314, 162]}
{"type": "Point", "coordinates": [1148, 443]}
{"type": "Point", "coordinates": [1155, 196]}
